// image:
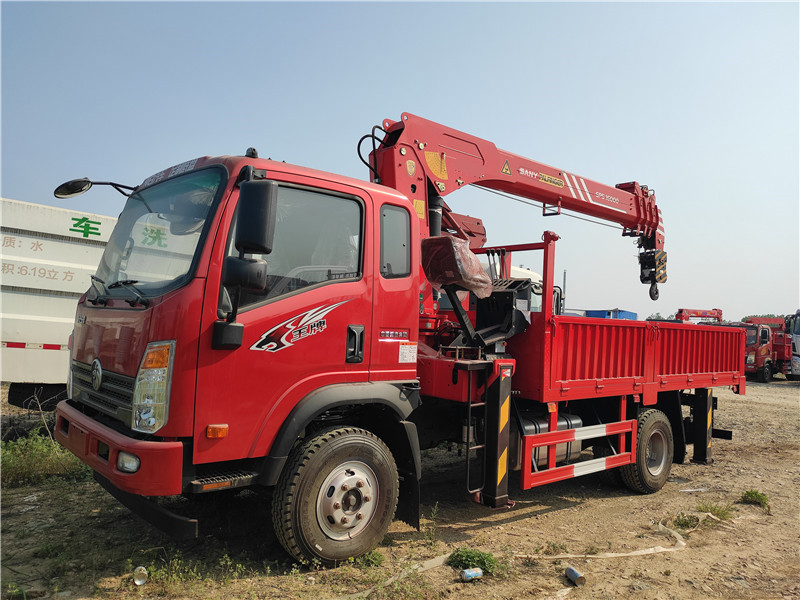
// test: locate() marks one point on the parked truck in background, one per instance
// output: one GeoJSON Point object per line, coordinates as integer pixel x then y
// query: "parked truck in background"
{"type": "Point", "coordinates": [768, 349]}
{"type": "Point", "coordinates": [48, 254]}
{"type": "Point", "coordinates": [256, 323]}
{"type": "Point", "coordinates": [793, 328]}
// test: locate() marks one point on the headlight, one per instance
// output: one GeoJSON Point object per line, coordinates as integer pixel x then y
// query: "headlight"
{"type": "Point", "coordinates": [751, 358]}
{"type": "Point", "coordinates": [151, 392]}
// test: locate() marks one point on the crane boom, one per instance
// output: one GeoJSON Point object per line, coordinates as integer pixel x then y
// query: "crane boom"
{"type": "Point", "coordinates": [426, 161]}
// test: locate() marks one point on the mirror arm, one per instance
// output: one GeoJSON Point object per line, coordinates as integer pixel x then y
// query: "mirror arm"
{"type": "Point", "coordinates": [118, 187]}
{"type": "Point", "coordinates": [235, 298]}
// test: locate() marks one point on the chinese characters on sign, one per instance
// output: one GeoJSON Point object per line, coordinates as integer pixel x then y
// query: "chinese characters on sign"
{"type": "Point", "coordinates": [40, 272]}
{"type": "Point", "coordinates": [10, 241]}
{"type": "Point", "coordinates": [84, 226]}
{"type": "Point", "coordinates": [153, 236]}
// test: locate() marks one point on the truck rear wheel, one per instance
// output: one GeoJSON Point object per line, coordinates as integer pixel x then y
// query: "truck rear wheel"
{"type": "Point", "coordinates": [336, 498]}
{"type": "Point", "coordinates": [654, 452]}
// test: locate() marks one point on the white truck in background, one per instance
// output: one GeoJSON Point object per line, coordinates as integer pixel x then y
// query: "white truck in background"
{"type": "Point", "coordinates": [48, 255]}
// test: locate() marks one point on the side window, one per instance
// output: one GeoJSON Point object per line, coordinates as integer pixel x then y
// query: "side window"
{"type": "Point", "coordinates": [395, 242]}
{"type": "Point", "coordinates": [318, 239]}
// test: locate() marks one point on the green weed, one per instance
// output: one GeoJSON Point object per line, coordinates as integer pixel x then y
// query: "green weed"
{"type": "Point", "coordinates": [12, 590]}
{"type": "Point", "coordinates": [430, 530]}
{"type": "Point", "coordinates": [467, 558]}
{"type": "Point", "coordinates": [684, 521]}
{"type": "Point", "coordinates": [722, 512]}
{"type": "Point", "coordinates": [173, 570]}
{"type": "Point", "coordinates": [552, 548]}
{"type": "Point", "coordinates": [49, 549]}
{"type": "Point", "coordinates": [413, 587]}
{"type": "Point", "coordinates": [756, 497]}
{"type": "Point", "coordinates": [372, 559]}
{"type": "Point", "coordinates": [33, 459]}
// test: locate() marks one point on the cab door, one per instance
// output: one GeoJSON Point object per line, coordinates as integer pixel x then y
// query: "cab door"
{"type": "Point", "coordinates": [311, 327]}
{"type": "Point", "coordinates": [396, 297]}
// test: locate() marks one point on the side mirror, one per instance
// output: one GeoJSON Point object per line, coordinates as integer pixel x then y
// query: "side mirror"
{"type": "Point", "coordinates": [237, 273]}
{"type": "Point", "coordinates": [72, 188]}
{"type": "Point", "coordinates": [258, 204]}
{"type": "Point", "coordinates": [247, 273]}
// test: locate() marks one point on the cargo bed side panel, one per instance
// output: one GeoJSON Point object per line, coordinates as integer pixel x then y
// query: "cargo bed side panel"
{"type": "Point", "coordinates": [600, 358]}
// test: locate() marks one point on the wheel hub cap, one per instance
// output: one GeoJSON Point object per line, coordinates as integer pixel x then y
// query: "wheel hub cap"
{"type": "Point", "coordinates": [656, 453]}
{"type": "Point", "coordinates": [347, 500]}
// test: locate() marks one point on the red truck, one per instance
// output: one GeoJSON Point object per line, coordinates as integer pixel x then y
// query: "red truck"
{"type": "Point", "coordinates": [768, 348]}
{"type": "Point", "coordinates": [256, 323]}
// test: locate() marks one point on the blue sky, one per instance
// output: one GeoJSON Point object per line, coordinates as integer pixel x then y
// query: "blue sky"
{"type": "Point", "coordinates": [697, 100]}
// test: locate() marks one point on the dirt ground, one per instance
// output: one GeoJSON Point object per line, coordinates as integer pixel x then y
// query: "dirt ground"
{"type": "Point", "coordinates": [73, 541]}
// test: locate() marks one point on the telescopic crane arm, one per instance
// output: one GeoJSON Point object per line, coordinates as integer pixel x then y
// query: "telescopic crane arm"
{"type": "Point", "coordinates": [426, 161]}
{"type": "Point", "coordinates": [684, 314]}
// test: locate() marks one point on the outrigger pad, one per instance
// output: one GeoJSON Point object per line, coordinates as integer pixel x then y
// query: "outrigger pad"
{"type": "Point", "coordinates": [449, 261]}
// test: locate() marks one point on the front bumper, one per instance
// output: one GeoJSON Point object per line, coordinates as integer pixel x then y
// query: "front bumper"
{"type": "Point", "coordinates": [161, 469]}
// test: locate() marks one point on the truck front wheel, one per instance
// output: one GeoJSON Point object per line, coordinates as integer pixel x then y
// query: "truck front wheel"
{"type": "Point", "coordinates": [654, 452]}
{"type": "Point", "coordinates": [765, 373]}
{"type": "Point", "coordinates": [336, 497]}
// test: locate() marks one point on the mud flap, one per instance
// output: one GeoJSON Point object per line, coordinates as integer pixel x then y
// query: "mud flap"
{"type": "Point", "coordinates": [176, 526]}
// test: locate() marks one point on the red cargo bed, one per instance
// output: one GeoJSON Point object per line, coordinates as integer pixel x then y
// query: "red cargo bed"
{"type": "Point", "coordinates": [570, 358]}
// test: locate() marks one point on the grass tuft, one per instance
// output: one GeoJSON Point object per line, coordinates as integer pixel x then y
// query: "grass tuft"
{"type": "Point", "coordinates": [756, 497]}
{"type": "Point", "coordinates": [370, 560]}
{"type": "Point", "coordinates": [722, 511]}
{"type": "Point", "coordinates": [34, 459]}
{"type": "Point", "coordinates": [685, 522]}
{"type": "Point", "coordinates": [467, 558]}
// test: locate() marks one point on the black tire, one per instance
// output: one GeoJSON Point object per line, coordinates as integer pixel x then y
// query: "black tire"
{"type": "Point", "coordinates": [654, 452]}
{"type": "Point", "coordinates": [609, 477]}
{"type": "Point", "coordinates": [765, 373]}
{"type": "Point", "coordinates": [336, 497]}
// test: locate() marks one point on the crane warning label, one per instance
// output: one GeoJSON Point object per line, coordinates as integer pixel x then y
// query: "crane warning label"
{"type": "Point", "coordinates": [506, 170]}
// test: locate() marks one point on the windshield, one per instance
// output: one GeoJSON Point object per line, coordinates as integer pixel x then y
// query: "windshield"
{"type": "Point", "coordinates": [752, 336]}
{"type": "Point", "coordinates": [154, 243]}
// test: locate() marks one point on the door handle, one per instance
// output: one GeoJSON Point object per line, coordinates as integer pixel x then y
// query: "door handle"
{"type": "Point", "coordinates": [355, 344]}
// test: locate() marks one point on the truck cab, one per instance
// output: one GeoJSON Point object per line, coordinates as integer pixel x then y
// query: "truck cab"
{"type": "Point", "coordinates": [759, 360]}
{"type": "Point", "coordinates": [165, 400]}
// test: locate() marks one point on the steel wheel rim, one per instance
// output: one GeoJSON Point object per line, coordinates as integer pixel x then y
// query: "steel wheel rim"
{"type": "Point", "coordinates": [346, 502]}
{"type": "Point", "coordinates": [656, 453]}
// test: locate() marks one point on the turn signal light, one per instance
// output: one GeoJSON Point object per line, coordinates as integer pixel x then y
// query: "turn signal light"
{"type": "Point", "coordinates": [217, 432]}
{"type": "Point", "coordinates": [157, 357]}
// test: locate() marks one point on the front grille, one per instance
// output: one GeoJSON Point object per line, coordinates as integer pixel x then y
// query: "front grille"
{"type": "Point", "coordinates": [114, 398]}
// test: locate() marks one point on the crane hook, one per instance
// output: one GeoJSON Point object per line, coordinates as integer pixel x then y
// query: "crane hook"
{"type": "Point", "coordinates": [654, 291]}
